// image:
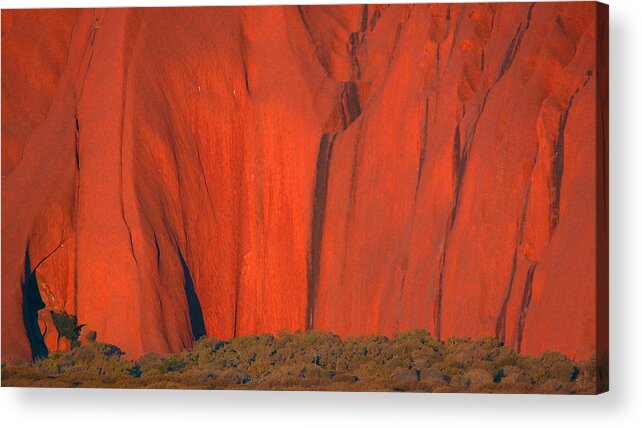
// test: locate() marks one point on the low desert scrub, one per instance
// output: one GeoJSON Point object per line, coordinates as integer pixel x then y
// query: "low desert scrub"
{"type": "Point", "coordinates": [413, 361]}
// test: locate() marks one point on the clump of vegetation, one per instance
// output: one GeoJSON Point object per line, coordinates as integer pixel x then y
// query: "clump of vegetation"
{"type": "Point", "coordinates": [67, 326]}
{"type": "Point", "coordinates": [413, 361]}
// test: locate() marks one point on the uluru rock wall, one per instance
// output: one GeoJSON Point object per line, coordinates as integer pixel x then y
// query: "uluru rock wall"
{"type": "Point", "coordinates": [169, 173]}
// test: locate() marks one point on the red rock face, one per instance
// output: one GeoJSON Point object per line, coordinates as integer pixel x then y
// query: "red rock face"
{"type": "Point", "coordinates": [169, 173]}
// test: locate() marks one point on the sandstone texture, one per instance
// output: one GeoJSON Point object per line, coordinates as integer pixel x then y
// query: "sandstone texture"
{"type": "Point", "coordinates": [173, 173]}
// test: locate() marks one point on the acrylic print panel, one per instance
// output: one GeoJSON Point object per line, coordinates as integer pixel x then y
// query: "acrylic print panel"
{"type": "Point", "coordinates": [354, 197]}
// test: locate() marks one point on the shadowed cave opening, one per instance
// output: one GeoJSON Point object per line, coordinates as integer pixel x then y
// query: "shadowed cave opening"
{"type": "Point", "coordinates": [193, 303]}
{"type": "Point", "coordinates": [31, 304]}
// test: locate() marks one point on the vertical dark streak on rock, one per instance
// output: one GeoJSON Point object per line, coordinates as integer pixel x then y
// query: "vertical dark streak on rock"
{"type": "Point", "coordinates": [560, 23]}
{"type": "Point", "coordinates": [395, 44]}
{"type": "Point", "coordinates": [526, 300]}
{"type": "Point", "coordinates": [88, 50]}
{"type": "Point", "coordinates": [375, 17]}
{"type": "Point", "coordinates": [158, 252]}
{"type": "Point", "coordinates": [352, 198]}
{"type": "Point", "coordinates": [393, 52]}
{"type": "Point", "coordinates": [492, 21]}
{"type": "Point", "coordinates": [318, 219]}
{"type": "Point", "coordinates": [89, 47]}
{"type": "Point", "coordinates": [313, 42]}
{"type": "Point", "coordinates": [202, 170]}
{"type": "Point", "coordinates": [195, 312]}
{"type": "Point", "coordinates": [245, 75]}
{"type": "Point", "coordinates": [354, 176]}
{"type": "Point", "coordinates": [500, 328]}
{"type": "Point", "coordinates": [355, 40]}
{"type": "Point", "coordinates": [174, 149]}
{"type": "Point", "coordinates": [32, 303]}
{"type": "Point", "coordinates": [438, 298]}
{"type": "Point", "coordinates": [558, 160]}
{"type": "Point", "coordinates": [353, 44]}
{"type": "Point", "coordinates": [239, 266]}
{"type": "Point", "coordinates": [121, 185]}
{"type": "Point", "coordinates": [237, 290]}
{"type": "Point", "coordinates": [558, 168]}
{"type": "Point", "coordinates": [364, 18]}
{"type": "Point", "coordinates": [455, 33]}
{"type": "Point", "coordinates": [411, 220]}
{"type": "Point", "coordinates": [459, 161]}
{"type": "Point", "coordinates": [77, 148]}
{"type": "Point", "coordinates": [511, 52]}
{"type": "Point", "coordinates": [75, 205]}
{"type": "Point", "coordinates": [457, 168]}
{"type": "Point", "coordinates": [456, 171]}
{"type": "Point", "coordinates": [242, 48]}
{"type": "Point", "coordinates": [350, 107]}
{"type": "Point", "coordinates": [121, 142]}
{"type": "Point", "coordinates": [422, 148]}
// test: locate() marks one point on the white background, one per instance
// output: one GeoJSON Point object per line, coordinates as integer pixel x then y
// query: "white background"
{"type": "Point", "coordinates": [620, 407]}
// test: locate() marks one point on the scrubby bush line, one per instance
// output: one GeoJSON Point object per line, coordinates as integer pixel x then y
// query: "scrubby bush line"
{"type": "Point", "coordinates": [412, 361]}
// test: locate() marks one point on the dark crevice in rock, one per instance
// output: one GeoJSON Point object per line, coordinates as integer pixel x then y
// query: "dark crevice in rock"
{"type": "Point", "coordinates": [128, 228]}
{"type": "Point", "coordinates": [460, 159]}
{"type": "Point", "coordinates": [458, 162]}
{"type": "Point", "coordinates": [75, 205]}
{"type": "Point", "coordinates": [315, 45]}
{"type": "Point", "coordinates": [492, 21]}
{"type": "Point", "coordinates": [239, 270]}
{"type": "Point", "coordinates": [438, 298]}
{"type": "Point", "coordinates": [31, 304]}
{"type": "Point", "coordinates": [77, 141]}
{"type": "Point", "coordinates": [318, 219]}
{"type": "Point", "coordinates": [558, 169]}
{"type": "Point", "coordinates": [375, 17]}
{"type": "Point", "coordinates": [500, 329]}
{"type": "Point", "coordinates": [352, 196]}
{"type": "Point", "coordinates": [354, 42]}
{"type": "Point", "coordinates": [247, 79]}
{"type": "Point", "coordinates": [411, 220]}
{"type": "Point", "coordinates": [204, 176]}
{"type": "Point", "coordinates": [422, 148]}
{"type": "Point", "coordinates": [558, 160]}
{"type": "Point", "coordinates": [158, 251]}
{"type": "Point", "coordinates": [193, 303]}
{"type": "Point", "coordinates": [243, 49]}
{"type": "Point", "coordinates": [364, 18]}
{"type": "Point", "coordinates": [457, 177]}
{"type": "Point", "coordinates": [349, 105]}
{"type": "Point", "coordinates": [511, 52]}
{"type": "Point", "coordinates": [526, 300]}
{"type": "Point", "coordinates": [560, 23]}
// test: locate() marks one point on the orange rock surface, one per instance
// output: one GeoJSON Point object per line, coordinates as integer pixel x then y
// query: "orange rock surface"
{"type": "Point", "coordinates": [169, 173]}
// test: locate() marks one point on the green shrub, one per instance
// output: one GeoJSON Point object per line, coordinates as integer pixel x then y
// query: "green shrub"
{"type": "Point", "coordinates": [67, 326]}
{"type": "Point", "coordinates": [172, 363]}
